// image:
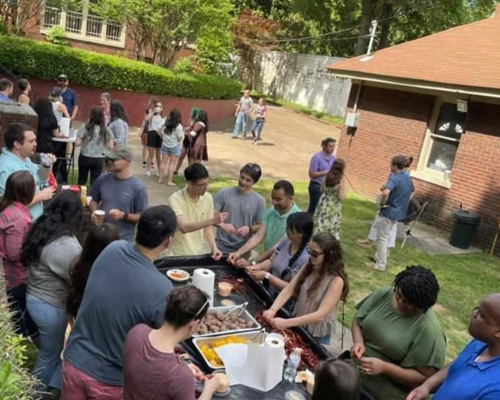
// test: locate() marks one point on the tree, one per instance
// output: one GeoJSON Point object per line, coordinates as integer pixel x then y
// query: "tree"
{"type": "Point", "coordinates": [253, 34]}
{"type": "Point", "coordinates": [16, 16]}
{"type": "Point", "coordinates": [166, 26]}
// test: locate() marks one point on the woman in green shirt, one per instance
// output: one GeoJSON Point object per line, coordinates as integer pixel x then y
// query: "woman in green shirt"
{"type": "Point", "coordinates": [397, 337]}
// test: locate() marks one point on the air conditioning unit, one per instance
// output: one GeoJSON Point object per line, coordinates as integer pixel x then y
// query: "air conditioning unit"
{"type": "Point", "coordinates": [352, 120]}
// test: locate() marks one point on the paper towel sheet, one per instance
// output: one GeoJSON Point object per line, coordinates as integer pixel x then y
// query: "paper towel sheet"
{"type": "Point", "coordinates": [234, 357]}
{"type": "Point", "coordinates": [264, 367]}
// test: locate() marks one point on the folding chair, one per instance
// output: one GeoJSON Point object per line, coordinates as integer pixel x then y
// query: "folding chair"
{"type": "Point", "coordinates": [413, 219]}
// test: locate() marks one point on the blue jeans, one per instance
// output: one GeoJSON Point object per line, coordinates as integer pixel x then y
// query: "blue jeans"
{"type": "Point", "coordinates": [257, 128]}
{"type": "Point", "coordinates": [314, 196]}
{"type": "Point", "coordinates": [52, 322]}
{"type": "Point", "coordinates": [241, 118]}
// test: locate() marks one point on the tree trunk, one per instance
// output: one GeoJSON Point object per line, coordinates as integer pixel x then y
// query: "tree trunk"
{"type": "Point", "coordinates": [367, 14]}
{"type": "Point", "coordinates": [387, 9]}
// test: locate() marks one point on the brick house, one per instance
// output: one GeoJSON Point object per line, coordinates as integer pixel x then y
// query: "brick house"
{"type": "Point", "coordinates": [436, 99]}
{"type": "Point", "coordinates": [90, 32]}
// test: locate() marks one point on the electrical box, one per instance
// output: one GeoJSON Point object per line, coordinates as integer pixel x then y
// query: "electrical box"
{"type": "Point", "coordinates": [352, 120]}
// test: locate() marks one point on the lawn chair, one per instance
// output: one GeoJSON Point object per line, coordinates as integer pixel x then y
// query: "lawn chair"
{"type": "Point", "coordinates": [412, 219]}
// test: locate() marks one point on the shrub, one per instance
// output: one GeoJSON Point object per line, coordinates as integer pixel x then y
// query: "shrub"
{"type": "Point", "coordinates": [183, 64]}
{"type": "Point", "coordinates": [15, 383]}
{"type": "Point", "coordinates": [56, 35]}
{"type": "Point", "coordinates": [32, 59]}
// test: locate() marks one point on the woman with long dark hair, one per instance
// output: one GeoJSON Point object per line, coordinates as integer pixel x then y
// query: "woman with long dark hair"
{"type": "Point", "coordinates": [95, 141]}
{"type": "Point", "coordinates": [48, 126]}
{"type": "Point", "coordinates": [151, 369]}
{"type": "Point", "coordinates": [290, 255]}
{"type": "Point", "coordinates": [198, 149]}
{"type": "Point", "coordinates": [173, 133]}
{"type": "Point", "coordinates": [118, 125]}
{"type": "Point", "coordinates": [187, 138]}
{"type": "Point", "coordinates": [96, 242]}
{"type": "Point", "coordinates": [317, 287]}
{"type": "Point", "coordinates": [15, 221]}
{"type": "Point", "coordinates": [328, 214]}
{"type": "Point", "coordinates": [49, 251]}
{"type": "Point", "coordinates": [25, 89]}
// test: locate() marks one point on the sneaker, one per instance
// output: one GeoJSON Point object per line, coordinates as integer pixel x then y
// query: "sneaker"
{"type": "Point", "coordinates": [234, 137]}
{"type": "Point", "coordinates": [148, 173]}
{"type": "Point", "coordinates": [144, 164]}
{"type": "Point", "coordinates": [176, 172]}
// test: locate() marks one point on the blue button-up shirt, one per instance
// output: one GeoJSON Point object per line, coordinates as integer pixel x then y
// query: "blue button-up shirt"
{"type": "Point", "coordinates": [10, 163]}
{"type": "Point", "coordinates": [471, 380]}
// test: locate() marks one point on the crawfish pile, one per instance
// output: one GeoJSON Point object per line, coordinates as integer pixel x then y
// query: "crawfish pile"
{"type": "Point", "coordinates": [292, 341]}
{"type": "Point", "coordinates": [238, 284]}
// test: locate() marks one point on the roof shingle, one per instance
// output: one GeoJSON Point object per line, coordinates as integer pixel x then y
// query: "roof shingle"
{"type": "Point", "coordinates": [468, 55]}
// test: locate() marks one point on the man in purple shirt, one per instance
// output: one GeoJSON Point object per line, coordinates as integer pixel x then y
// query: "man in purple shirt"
{"type": "Point", "coordinates": [320, 165]}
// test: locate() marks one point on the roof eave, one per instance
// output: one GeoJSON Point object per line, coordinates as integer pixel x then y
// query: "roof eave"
{"type": "Point", "coordinates": [413, 83]}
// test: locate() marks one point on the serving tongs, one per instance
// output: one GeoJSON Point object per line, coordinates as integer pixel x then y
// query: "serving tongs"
{"type": "Point", "coordinates": [243, 307]}
{"type": "Point", "coordinates": [260, 332]}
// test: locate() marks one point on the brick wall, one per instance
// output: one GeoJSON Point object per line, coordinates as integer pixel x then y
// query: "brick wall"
{"type": "Point", "coordinates": [394, 122]}
{"type": "Point", "coordinates": [135, 103]}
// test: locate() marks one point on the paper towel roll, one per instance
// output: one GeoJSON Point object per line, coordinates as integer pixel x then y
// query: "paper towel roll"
{"type": "Point", "coordinates": [204, 279]}
{"type": "Point", "coordinates": [275, 341]}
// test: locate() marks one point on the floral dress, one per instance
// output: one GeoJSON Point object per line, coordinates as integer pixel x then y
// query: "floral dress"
{"type": "Point", "coordinates": [328, 214]}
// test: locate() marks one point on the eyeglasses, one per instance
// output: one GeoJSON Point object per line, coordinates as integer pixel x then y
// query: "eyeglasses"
{"type": "Point", "coordinates": [313, 253]}
{"type": "Point", "coordinates": [62, 80]}
{"type": "Point", "coordinates": [202, 185]}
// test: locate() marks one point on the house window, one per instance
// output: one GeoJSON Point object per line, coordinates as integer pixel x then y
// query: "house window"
{"type": "Point", "coordinates": [445, 138]}
{"type": "Point", "coordinates": [80, 24]}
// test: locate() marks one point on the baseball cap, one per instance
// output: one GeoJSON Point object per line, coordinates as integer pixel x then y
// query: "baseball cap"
{"type": "Point", "coordinates": [119, 152]}
{"type": "Point", "coordinates": [55, 91]}
{"type": "Point", "coordinates": [62, 77]}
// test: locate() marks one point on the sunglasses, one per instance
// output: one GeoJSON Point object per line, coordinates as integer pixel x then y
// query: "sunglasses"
{"type": "Point", "coordinates": [62, 80]}
{"type": "Point", "coordinates": [255, 167]}
{"type": "Point", "coordinates": [112, 160]}
{"type": "Point", "coordinates": [313, 253]}
{"type": "Point", "coordinates": [207, 301]}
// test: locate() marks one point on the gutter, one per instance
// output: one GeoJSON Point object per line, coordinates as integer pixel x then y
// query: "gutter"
{"type": "Point", "coordinates": [420, 85]}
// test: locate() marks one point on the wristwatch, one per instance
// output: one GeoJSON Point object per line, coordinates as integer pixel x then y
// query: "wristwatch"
{"type": "Point", "coordinates": [125, 216]}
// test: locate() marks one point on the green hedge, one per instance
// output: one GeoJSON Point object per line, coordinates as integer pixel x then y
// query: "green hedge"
{"type": "Point", "coordinates": [33, 59]}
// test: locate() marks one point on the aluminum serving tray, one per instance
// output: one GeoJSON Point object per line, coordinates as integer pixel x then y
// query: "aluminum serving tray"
{"type": "Point", "coordinates": [245, 314]}
{"type": "Point", "coordinates": [199, 342]}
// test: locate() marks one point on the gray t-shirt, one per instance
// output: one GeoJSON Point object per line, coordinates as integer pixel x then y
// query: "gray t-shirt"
{"type": "Point", "coordinates": [124, 289]}
{"type": "Point", "coordinates": [245, 104]}
{"type": "Point", "coordinates": [244, 210]}
{"type": "Point", "coordinates": [49, 278]}
{"type": "Point", "coordinates": [127, 195]}
{"type": "Point", "coordinates": [173, 139]}
{"type": "Point", "coordinates": [94, 146]}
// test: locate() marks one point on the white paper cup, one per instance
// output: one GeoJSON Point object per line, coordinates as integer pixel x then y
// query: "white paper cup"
{"type": "Point", "coordinates": [100, 214]}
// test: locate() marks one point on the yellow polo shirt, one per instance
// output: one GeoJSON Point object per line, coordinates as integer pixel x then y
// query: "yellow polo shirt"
{"type": "Point", "coordinates": [193, 243]}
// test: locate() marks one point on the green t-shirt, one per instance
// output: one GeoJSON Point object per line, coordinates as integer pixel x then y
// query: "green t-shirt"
{"type": "Point", "coordinates": [408, 341]}
{"type": "Point", "coordinates": [275, 225]}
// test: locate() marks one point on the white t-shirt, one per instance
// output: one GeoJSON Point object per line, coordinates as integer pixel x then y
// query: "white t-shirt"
{"type": "Point", "coordinates": [174, 138]}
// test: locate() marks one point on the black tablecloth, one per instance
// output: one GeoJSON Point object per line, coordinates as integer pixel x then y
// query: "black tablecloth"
{"type": "Point", "coordinates": [258, 300]}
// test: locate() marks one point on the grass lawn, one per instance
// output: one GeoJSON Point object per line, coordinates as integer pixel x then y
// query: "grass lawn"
{"type": "Point", "coordinates": [464, 279]}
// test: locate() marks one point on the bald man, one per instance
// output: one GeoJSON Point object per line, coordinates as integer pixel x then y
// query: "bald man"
{"type": "Point", "coordinates": [475, 373]}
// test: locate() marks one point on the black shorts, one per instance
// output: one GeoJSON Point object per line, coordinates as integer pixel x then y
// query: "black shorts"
{"type": "Point", "coordinates": [154, 140]}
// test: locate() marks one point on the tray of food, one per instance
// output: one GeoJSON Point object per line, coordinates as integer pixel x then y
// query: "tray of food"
{"type": "Point", "coordinates": [206, 345]}
{"type": "Point", "coordinates": [226, 320]}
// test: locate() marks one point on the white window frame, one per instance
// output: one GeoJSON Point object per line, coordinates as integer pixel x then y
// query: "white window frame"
{"type": "Point", "coordinates": [83, 35]}
{"type": "Point", "coordinates": [423, 172]}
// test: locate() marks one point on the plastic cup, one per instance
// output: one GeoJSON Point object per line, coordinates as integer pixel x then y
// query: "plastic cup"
{"type": "Point", "coordinates": [100, 214]}
{"type": "Point", "coordinates": [89, 199]}
{"type": "Point", "coordinates": [224, 289]}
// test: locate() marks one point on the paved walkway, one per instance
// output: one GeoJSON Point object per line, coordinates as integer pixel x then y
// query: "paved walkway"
{"type": "Point", "coordinates": [289, 141]}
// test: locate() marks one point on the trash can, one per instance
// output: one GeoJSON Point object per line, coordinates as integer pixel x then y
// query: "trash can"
{"type": "Point", "coordinates": [464, 226]}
